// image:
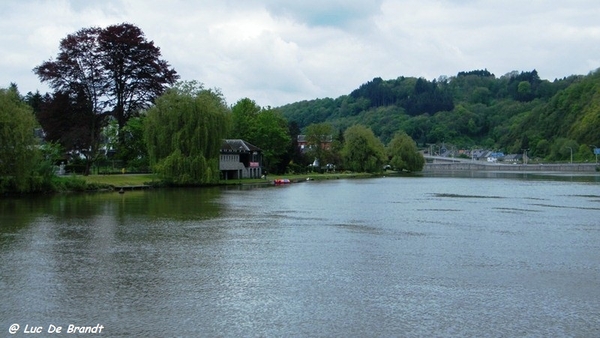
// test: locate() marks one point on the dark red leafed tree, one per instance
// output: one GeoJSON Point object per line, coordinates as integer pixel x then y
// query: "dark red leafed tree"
{"type": "Point", "coordinates": [70, 121]}
{"type": "Point", "coordinates": [75, 114]}
{"type": "Point", "coordinates": [135, 73]}
{"type": "Point", "coordinates": [78, 68]}
{"type": "Point", "coordinates": [116, 69]}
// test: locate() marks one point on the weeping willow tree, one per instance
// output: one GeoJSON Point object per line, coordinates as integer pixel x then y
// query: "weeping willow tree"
{"type": "Point", "coordinates": [404, 153]}
{"type": "Point", "coordinates": [362, 152]}
{"type": "Point", "coordinates": [183, 133]}
{"type": "Point", "coordinates": [18, 151]}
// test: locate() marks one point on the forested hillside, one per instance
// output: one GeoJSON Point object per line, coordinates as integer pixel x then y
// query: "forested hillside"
{"type": "Point", "coordinates": [472, 109]}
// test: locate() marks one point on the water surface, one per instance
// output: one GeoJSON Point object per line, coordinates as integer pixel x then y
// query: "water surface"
{"type": "Point", "coordinates": [421, 256]}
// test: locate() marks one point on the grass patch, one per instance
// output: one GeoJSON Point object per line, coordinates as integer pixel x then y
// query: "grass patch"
{"type": "Point", "coordinates": [121, 180]}
{"type": "Point", "coordinates": [302, 177]}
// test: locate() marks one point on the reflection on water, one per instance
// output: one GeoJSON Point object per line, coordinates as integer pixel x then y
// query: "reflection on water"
{"type": "Point", "coordinates": [532, 175]}
{"type": "Point", "coordinates": [419, 256]}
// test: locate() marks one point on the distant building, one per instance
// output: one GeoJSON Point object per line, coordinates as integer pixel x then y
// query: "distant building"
{"type": "Point", "coordinates": [513, 158]}
{"type": "Point", "coordinates": [240, 159]}
{"type": "Point", "coordinates": [486, 155]}
{"type": "Point", "coordinates": [326, 141]}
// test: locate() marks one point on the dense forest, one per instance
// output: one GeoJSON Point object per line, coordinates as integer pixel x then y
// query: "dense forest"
{"type": "Point", "coordinates": [512, 112]}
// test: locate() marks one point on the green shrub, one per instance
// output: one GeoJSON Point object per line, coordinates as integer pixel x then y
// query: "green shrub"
{"type": "Point", "coordinates": [75, 184]}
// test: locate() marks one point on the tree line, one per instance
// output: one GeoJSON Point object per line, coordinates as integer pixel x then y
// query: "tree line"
{"type": "Point", "coordinates": [115, 97]}
{"type": "Point", "coordinates": [474, 109]}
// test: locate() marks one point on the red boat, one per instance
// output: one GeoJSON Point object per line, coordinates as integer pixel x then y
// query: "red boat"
{"type": "Point", "coordinates": [279, 181]}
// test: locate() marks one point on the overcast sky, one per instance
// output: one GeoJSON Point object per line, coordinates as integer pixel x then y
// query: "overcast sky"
{"type": "Point", "coordinates": [278, 51]}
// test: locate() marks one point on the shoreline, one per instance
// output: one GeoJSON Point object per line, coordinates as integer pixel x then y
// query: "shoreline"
{"type": "Point", "coordinates": [122, 183]}
{"type": "Point", "coordinates": [514, 168]}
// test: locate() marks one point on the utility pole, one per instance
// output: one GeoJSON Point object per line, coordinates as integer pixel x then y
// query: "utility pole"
{"type": "Point", "coordinates": [525, 156]}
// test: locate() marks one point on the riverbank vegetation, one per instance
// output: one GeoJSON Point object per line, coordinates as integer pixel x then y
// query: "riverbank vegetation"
{"type": "Point", "coordinates": [184, 131]}
{"type": "Point", "coordinates": [116, 107]}
{"type": "Point", "coordinates": [116, 181]}
{"type": "Point", "coordinates": [512, 113]}
{"type": "Point", "coordinates": [121, 180]}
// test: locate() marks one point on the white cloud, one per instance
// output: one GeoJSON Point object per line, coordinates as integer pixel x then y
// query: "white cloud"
{"type": "Point", "coordinates": [276, 52]}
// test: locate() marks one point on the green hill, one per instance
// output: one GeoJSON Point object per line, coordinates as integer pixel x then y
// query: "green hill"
{"type": "Point", "coordinates": [513, 112]}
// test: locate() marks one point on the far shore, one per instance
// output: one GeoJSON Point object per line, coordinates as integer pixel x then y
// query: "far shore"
{"type": "Point", "coordinates": [117, 182]}
{"type": "Point", "coordinates": [540, 167]}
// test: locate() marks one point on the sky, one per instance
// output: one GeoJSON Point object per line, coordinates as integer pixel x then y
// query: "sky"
{"type": "Point", "coordinates": [277, 52]}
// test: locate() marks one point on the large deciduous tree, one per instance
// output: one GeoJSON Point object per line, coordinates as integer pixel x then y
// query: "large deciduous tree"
{"type": "Point", "coordinates": [70, 121]}
{"type": "Point", "coordinates": [295, 158]}
{"type": "Point", "coordinates": [362, 152]}
{"type": "Point", "coordinates": [135, 73]}
{"type": "Point", "coordinates": [272, 136]}
{"type": "Point", "coordinates": [244, 114]}
{"type": "Point", "coordinates": [116, 69]}
{"type": "Point", "coordinates": [317, 136]}
{"type": "Point", "coordinates": [77, 68]}
{"type": "Point", "coordinates": [265, 128]}
{"type": "Point", "coordinates": [404, 153]}
{"type": "Point", "coordinates": [17, 142]}
{"type": "Point", "coordinates": [184, 131]}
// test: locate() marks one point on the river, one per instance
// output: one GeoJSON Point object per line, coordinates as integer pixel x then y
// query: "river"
{"type": "Point", "coordinates": [503, 256]}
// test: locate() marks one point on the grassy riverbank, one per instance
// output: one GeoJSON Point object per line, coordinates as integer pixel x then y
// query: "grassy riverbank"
{"type": "Point", "coordinates": [306, 177]}
{"type": "Point", "coordinates": [122, 180]}
{"type": "Point", "coordinates": [325, 176]}
{"type": "Point", "coordinates": [129, 180]}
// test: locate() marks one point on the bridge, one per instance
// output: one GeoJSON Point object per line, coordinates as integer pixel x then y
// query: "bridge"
{"type": "Point", "coordinates": [466, 164]}
{"type": "Point", "coordinates": [443, 159]}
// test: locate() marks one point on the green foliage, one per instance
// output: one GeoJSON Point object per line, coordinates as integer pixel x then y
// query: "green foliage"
{"type": "Point", "coordinates": [31, 165]}
{"type": "Point", "coordinates": [573, 113]}
{"type": "Point", "coordinates": [418, 128]}
{"type": "Point", "coordinates": [43, 175]}
{"type": "Point", "coordinates": [524, 90]}
{"type": "Point", "coordinates": [541, 149]}
{"type": "Point", "coordinates": [72, 183]}
{"type": "Point", "coordinates": [493, 112]}
{"type": "Point", "coordinates": [265, 128]}
{"type": "Point", "coordinates": [18, 147]}
{"type": "Point", "coordinates": [562, 148]}
{"type": "Point", "coordinates": [116, 68]}
{"type": "Point", "coordinates": [404, 154]}
{"type": "Point", "coordinates": [273, 138]}
{"type": "Point", "coordinates": [584, 154]}
{"type": "Point", "coordinates": [133, 151]}
{"type": "Point", "coordinates": [362, 151]}
{"type": "Point", "coordinates": [316, 136]}
{"type": "Point", "coordinates": [523, 87]}
{"type": "Point", "coordinates": [481, 95]}
{"type": "Point", "coordinates": [585, 109]}
{"type": "Point", "coordinates": [423, 97]}
{"type": "Point", "coordinates": [244, 114]}
{"type": "Point", "coordinates": [184, 132]}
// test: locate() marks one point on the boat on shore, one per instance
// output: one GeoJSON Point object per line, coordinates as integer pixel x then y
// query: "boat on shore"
{"type": "Point", "coordinates": [280, 181]}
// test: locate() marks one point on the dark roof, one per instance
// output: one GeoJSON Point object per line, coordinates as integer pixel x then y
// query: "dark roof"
{"type": "Point", "coordinates": [238, 145]}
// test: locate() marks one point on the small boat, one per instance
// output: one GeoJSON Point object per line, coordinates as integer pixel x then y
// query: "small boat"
{"type": "Point", "coordinates": [279, 181]}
